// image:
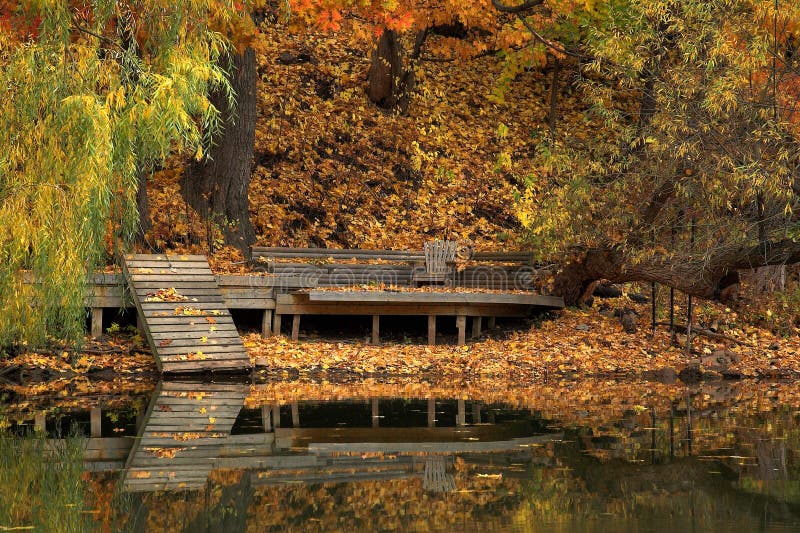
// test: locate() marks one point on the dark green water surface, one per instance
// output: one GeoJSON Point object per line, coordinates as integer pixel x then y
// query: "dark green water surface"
{"type": "Point", "coordinates": [605, 457]}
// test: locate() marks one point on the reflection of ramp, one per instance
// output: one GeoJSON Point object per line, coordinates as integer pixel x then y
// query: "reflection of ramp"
{"type": "Point", "coordinates": [184, 316]}
{"type": "Point", "coordinates": [182, 435]}
{"type": "Point", "coordinates": [435, 477]}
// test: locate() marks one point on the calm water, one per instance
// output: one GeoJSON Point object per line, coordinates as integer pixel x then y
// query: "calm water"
{"type": "Point", "coordinates": [238, 457]}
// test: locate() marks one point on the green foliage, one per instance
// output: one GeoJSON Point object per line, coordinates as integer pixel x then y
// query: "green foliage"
{"type": "Point", "coordinates": [41, 488]}
{"type": "Point", "coordinates": [96, 96]}
{"type": "Point", "coordinates": [690, 116]}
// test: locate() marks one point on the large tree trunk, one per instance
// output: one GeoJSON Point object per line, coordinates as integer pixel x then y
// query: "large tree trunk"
{"type": "Point", "coordinates": [390, 84]}
{"type": "Point", "coordinates": [713, 277]}
{"type": "Point", "coordinates": [217, 186]}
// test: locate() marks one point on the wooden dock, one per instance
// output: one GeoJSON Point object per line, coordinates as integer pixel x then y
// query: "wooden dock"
{"type": "Point", "coordinates": [183, 314]}
{"type": "Point", "coordinates": [182, 435]}
{"type": "Point", "coordinates": [462, 305]}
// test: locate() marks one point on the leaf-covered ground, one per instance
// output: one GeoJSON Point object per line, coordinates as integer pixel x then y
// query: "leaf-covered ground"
{"type": "Point", "coordinates": [333, 170]}
{"type": "Point", "coordinates": [578, 343]}
{"type": "Point", "coordinates": [574, 344]}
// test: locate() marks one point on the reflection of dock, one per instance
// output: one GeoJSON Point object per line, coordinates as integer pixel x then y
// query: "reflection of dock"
{"type": "Point", "coordinates": [182, 435]}
{"type": "Point", "coordinates": [186, 433]}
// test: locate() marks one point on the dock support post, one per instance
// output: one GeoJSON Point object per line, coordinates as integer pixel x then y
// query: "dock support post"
{"type": "Point", "coordinates": [491, 322]}
{"type": "Point", "coordinates": [266, 418]}
{"type": "Point", "coordinates": [97, 322]}
{"type": "Point", "coordinates": [276, 324]}
{"type": "Point", "coordinates": [431, 329]}
{"type": "Point", "coordinates": [140, 324]}
{"type": "Point", "coordinates": [476, 327]}
{"type": "Point", "coordinates": [376, 329]}
{"type": "Point", "coordinates": [276, 416]}
{"type": "Point", "coordinates": [476, 412]}
{"type": "Point", "coordinates": [295, 327]}
{"type": "Point", "coordinates": [266, 323]}
{"type": "Point", "coordinates": [461, 417]}
{"type": "Point", "coordinates": [431, 412]}
{"type": "Point", "coordinates": [375, 415]}
{"type": "Point", "coordinates": [461, 324]}
{"type": "Point", "coordinates": [295, 415]}
{"type": "Point", "coordinates": [95, 422]}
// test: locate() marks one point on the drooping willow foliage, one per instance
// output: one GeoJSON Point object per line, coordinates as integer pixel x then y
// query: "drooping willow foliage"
{"type": "Point", "coordinates": [92, 94]}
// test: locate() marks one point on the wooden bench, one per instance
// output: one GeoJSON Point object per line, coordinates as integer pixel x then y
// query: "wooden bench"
{"type": "Point", "coordinates": [330, 267]}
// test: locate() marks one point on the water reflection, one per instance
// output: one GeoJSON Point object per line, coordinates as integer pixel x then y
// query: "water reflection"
{"type": "Point", "coordinates": [206, 457]}
{"type": "Point", "coordinates": [182, 435]}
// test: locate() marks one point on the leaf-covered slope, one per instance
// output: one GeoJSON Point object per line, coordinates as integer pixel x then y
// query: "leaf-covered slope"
{"type": "Point", "coordinates": [333, 170]}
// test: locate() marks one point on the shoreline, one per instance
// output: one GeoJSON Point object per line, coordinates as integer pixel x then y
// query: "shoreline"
{"type": "Point", "coordinates": [577, 344]}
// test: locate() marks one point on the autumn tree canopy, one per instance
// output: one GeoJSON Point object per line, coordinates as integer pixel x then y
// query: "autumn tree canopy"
{"type": "Point", "coordinates": [92, 94]}
{"type": "Point", "coordinates": [693, 170]}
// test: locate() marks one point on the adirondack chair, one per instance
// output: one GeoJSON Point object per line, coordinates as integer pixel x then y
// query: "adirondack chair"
{"type": "Point", "coordinates": [435, 477]}
{"type": "Point", "coordinates": [439, 258]}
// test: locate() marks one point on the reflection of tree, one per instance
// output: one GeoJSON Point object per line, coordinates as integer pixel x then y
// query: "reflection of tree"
{"type": "Point", "coordinates": [677, 488]}
{"type": "Point", "coordinates": [229, 512]}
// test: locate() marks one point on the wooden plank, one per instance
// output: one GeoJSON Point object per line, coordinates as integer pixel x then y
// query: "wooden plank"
{"type": "Point", "coordinates": [207, 364]}
{"type": "Point", "coordinates": [254, 303]}
{"type": "Point", "coordinates": [244, 280]}
{"type": "Point", "coordinates": [192, 335]}
{"type": "Point", "coordinates": [182, 398]}
{"type": "Point", "coordinates": [175, 258]}
{"type": "Point", "coordinates": [193, 323]}
{"type": "Point", "coordinates": [402, 309]}
{"type": "Point", "coordinates": [167, 280]}
{"type": "Point", "coordinates": [261, 251]}
{"type": "Point", "coordinates": [209, 290]}
{"type": "Point", "coordinates": [225, 356]}
{"type": "Point", "coordinates": [133, 263]}
{"type": "Point", "coordinates": [188, 320]}
{"type": "Point", "coordinates": [232, 347]}
{"type": "Point", "coordinates": [164, 272]}
{"type": "Point", "coordinates": [212, 341]}
{"type": "Point", "coordinates": [434, 297]}
{"type": "Point", "coordinates": [207, 390]}
{"type": "Point", "coordinates": [174, 284]}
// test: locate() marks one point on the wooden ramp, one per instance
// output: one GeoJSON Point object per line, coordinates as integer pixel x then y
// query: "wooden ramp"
{"type": "Point", "coordinates": [183, 314]}
{"type": "Point", "coordinates": [182, 436]}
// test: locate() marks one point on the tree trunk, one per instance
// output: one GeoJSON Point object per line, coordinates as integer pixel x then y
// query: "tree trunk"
{"type": "Point", "coordinates": [389, 84]}
{"type": "Point", "coordinates": [714, 277]}
{"type": "Point", "coordinates": [217, 186]}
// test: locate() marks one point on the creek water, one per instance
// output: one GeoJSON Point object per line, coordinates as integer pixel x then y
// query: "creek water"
{"type": "Point", "coordinates": [596, 456]}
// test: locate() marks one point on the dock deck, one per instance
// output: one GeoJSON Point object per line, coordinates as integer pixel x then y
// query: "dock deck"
{"type": "Point", "coordinates": [461, 305]}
